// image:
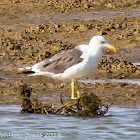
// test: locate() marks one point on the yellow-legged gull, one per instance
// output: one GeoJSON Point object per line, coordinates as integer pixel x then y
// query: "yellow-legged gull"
{"type": "Point", "coordinates": [74, 64]}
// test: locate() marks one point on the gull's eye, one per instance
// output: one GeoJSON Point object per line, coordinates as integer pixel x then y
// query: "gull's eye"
{"type": "Point", "coordinates": [102, 42]}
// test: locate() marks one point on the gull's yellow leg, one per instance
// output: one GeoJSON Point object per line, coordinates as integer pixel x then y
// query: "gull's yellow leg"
{"type": "Point", "coordinates": [72, 90]}
{"type": "Point", "coordinates": [77, 90]}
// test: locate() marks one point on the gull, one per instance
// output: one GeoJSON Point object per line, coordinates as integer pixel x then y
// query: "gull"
{"type": "Point", "coordinates": [74, 64]}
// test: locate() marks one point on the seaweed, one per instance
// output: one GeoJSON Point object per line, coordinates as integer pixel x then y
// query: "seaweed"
{"type": "Point", "coordinates": [30, 105]}
{"type": "Point", "coordinates": [88, 104]}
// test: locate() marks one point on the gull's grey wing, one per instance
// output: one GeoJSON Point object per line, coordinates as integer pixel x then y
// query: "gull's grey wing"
{"type": "Point", "coordinates": [60, 62]}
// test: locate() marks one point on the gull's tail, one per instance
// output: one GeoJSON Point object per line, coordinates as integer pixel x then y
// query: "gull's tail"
{"type": "Point", "coordinates": [31, 72]}
{"type": "Point", "coordinates": [26, 70]}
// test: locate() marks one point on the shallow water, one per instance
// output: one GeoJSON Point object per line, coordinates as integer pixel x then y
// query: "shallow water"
{"type": "Point", "coordinates": [137, 64]}
{"type": "Point", "coordinates": [118, 123]}
{"type": "Point", "coordinates": [130, 81]}
{"type": "Point", "coordinates": [96, 15]}
{"type": "Point", "coordinates": [37, 18]}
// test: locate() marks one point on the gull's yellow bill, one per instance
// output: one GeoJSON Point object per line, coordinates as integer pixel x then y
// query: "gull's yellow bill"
{"type": "Point", "coordinates": [112, 48]}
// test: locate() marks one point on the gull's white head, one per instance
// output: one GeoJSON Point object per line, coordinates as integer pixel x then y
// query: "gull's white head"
{"type": "Point", "coordinates": [99, 42]}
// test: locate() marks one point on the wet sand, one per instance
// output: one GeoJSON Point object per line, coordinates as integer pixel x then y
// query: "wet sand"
{"type": "Point", "coordinates": [31, 33]}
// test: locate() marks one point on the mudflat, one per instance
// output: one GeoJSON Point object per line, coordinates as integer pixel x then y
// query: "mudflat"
{"type": "Point", "coordinates": [31, 31]}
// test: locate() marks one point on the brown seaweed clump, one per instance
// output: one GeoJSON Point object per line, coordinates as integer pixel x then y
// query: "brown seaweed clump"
{"type": "Point", "coordinates": [31, 105]}
{"type": "Point", "coordinates": [25, 93]}
{"type": "Point", "coordinates": [87, 105]}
